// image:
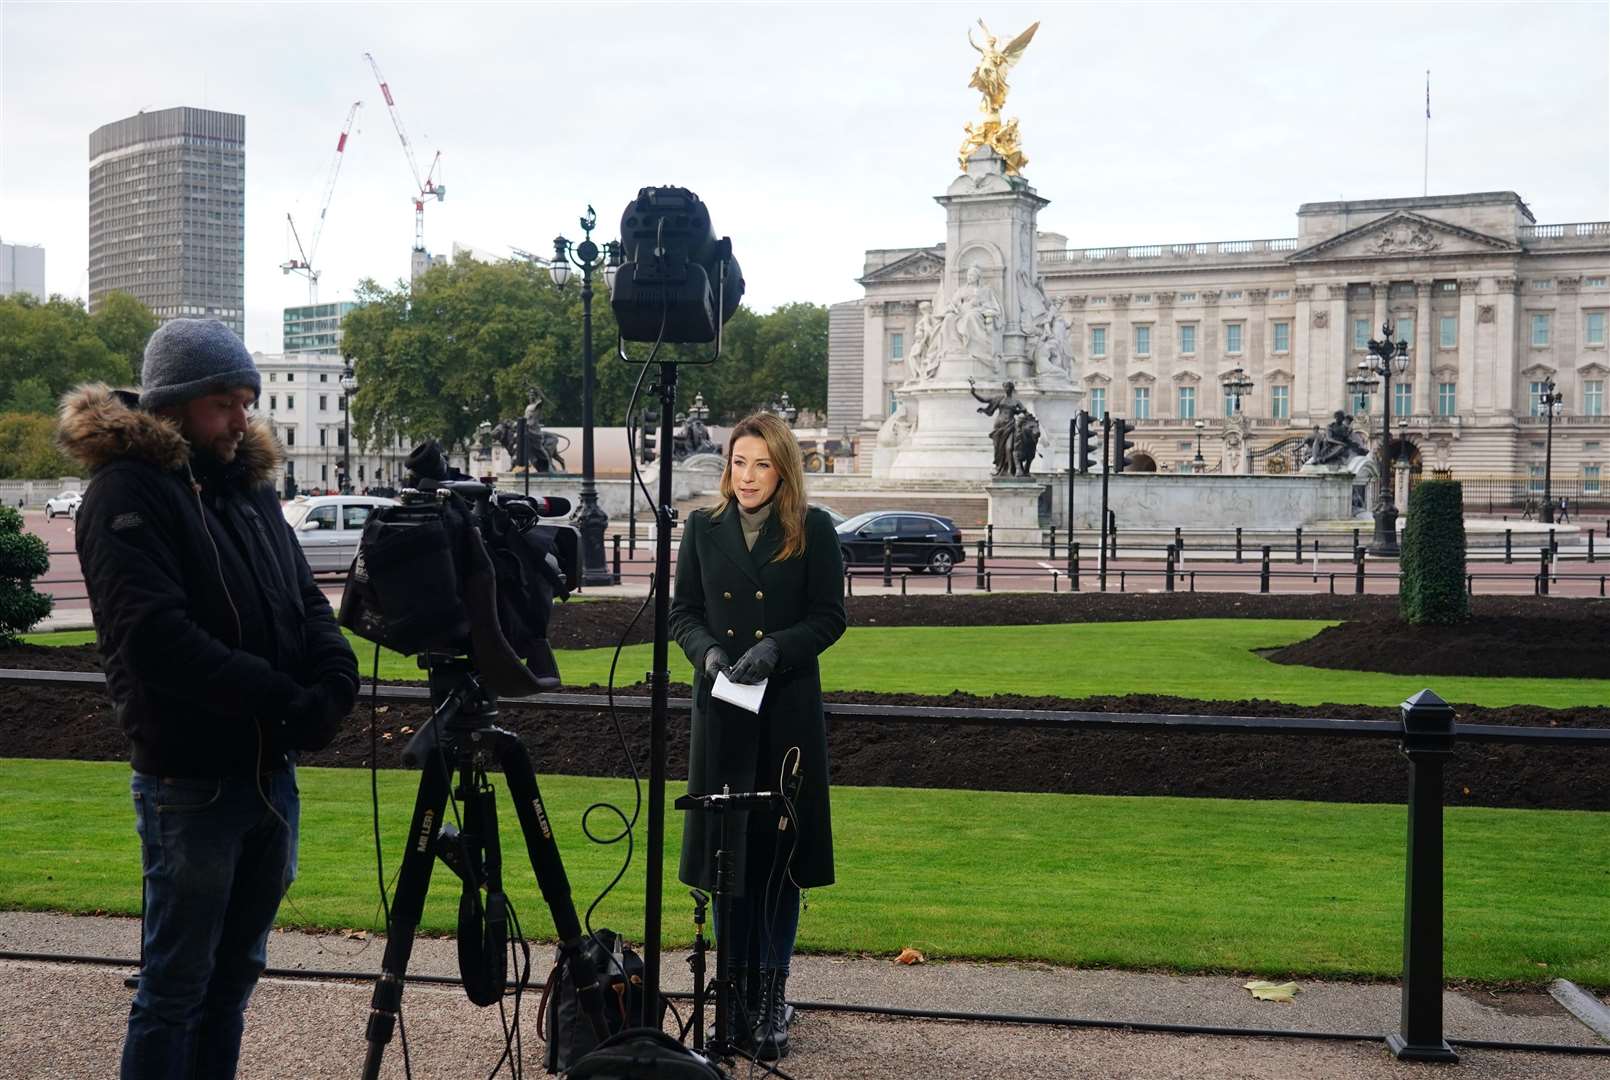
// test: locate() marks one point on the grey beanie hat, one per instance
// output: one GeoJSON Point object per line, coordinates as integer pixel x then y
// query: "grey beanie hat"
{"type": "Point", "coordinates": [187, 358]}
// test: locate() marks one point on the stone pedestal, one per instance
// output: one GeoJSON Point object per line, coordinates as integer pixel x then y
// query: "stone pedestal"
{"type": "Point", "coordinates": [1400, 485]}
{"type": "Point", "coordinates": [1014, 511]}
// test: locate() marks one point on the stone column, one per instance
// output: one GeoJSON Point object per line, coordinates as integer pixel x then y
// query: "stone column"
{"type": "Point", "coordinates": [1502, 336]}
{"type": "Point", "coordinates": [1472, 397]}
{"type": "Point", "coordinates": [1383, 292]}
{"type": "Point", "coordinates": [1305, 352]}
{"type": "Point", "coordinates": [1423, 344]}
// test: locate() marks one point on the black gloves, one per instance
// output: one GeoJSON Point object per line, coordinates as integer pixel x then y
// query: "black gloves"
{"type": "Point", "coordinates": [757, 664]}
{"type": "Point", "coordinates": [314, 716]}
{"type": "Point", "coordinates": [715, 662]}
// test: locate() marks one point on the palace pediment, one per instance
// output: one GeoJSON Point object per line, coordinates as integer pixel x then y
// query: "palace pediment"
{"type": "Point", "coordinates": [1404, 235]}
{"type": "Point", "coordinates": [918, 266]}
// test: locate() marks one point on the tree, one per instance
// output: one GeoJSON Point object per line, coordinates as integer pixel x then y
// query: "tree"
{"type": "Point", "coordinates": [1433, 559]}
{"type": "Point", "coordinates": [28, 448]}
{"type": "Point", "coordinates": [23, 557]}
{"type": "Point", "coordinates": [46, 349]}
{"type": "Point", "coordinates": [467, 341]}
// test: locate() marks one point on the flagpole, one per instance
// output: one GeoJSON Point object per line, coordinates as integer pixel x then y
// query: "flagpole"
{"type": "Point", "coordinates": [1425, 181]}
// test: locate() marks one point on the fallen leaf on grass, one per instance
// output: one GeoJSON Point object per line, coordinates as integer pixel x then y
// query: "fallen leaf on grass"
{"type": "Point", "coordinates": [910, 956]}
{"type": "Point", "coordinates": [356, 935]}
{"type": "Point", "coordinates": [1268, 991]}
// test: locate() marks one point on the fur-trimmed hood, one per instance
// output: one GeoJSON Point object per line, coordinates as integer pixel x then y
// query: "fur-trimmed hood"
{"type": "Point", "coordinates": [99, 425]}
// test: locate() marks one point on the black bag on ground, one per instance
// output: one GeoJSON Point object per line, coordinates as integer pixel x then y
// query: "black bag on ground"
{"type": "Point", "coordinates": [620, 973]}
{"type": "Point", "coordinates": [639, 1052]}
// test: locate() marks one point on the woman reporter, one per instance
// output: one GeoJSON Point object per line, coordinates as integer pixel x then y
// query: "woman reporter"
{"type": "Point", "coordinates": [760, 595]}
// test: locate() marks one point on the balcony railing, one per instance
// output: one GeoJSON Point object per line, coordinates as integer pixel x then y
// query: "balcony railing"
{"type": "Point", "coordinates": [1199, 252]}
{"type": "Point", "coordinates": [1599, 229]}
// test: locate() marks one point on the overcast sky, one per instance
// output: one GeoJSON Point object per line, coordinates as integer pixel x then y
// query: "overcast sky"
{"type": "Point", "coordinates": [813, 131]}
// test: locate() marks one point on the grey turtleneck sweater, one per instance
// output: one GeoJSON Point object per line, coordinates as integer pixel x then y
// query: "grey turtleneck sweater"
{"type": "Point", "coordinates": [753, 521]}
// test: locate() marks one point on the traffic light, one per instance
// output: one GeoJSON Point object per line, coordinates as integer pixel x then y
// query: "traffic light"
{"type": "Point", "coordinates": [1121, 429]}
{"type": "Point", "coordinates": [1087, 443]}
{"type": "Point", "coordinates": [648, 435]}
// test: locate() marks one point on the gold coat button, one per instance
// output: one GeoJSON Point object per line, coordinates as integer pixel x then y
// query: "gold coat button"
{"type": "Point", "coordinates": [759, 595]}
{"type": "Point", "coordinates": [759, 634]}
{"type": "Point", "coordinates": [729, 633]}
{"type": "Point", "coordinates": [726, 596]}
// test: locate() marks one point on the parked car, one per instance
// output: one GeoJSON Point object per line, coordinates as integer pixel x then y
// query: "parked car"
{"type": "Point", "coordinates": [833, 515]}
{"type": "Point", "coordinates": [65, 503]}
{"type": "Point", "coordinates": [329, 527]}
{"type": "Point", "coordinates": [917, 540]}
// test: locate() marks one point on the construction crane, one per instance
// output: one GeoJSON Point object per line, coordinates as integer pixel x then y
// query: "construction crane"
{"type": "Point", "coordinates": [426, 186]}
{"type": "Point", "coordinates": [304, 264]}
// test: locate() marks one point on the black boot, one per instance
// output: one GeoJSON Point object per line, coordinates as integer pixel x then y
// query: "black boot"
{"type": "Point", "coordinates": [771, 1038]}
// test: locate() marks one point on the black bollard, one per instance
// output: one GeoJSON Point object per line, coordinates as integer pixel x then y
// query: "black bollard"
{"type": "Point", "coordinates": [1053, 544]}
{"type": "Point", "coordinates": [1358, 570]}
{"type": "Point", "coordinates": [1168, 574]}
{"type": "Point", "coordinates": [981, 566]}
{"type": "Point", "coordinates": [1263, 571]}
{"type": "Point", "coordinates": [1428, 734]}
{"type": "Point", "coordinates": [989, 538]}
{"type": "Point", "coordinates": [1179, 544]}
{"type": "Point", "coordinates": [1543, 572]}
{"type": "Point", "coordinates": [617, 570]}
{"type": "Point", "coordinates": [1299, 558]}
{"type": "Point", "coordinates": [1112, 534]}
{"type": "Point", "coordinates": [888, 563]}
{"type": "Point", "coordinates": [1238, 543]}
{"type": "Point", "coordinates": [1590, 545]}
{"type": "Point", "coordinates": [1073, 566]}
{"type": "Point", "coordinates": [1509, 547]}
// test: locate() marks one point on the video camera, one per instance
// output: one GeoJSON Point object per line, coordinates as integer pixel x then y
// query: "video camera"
{"type": "Point", "coordinates": [459, 568]}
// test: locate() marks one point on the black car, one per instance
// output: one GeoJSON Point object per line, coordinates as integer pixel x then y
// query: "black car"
{"type": "Point", "coordinates": [923, 541]}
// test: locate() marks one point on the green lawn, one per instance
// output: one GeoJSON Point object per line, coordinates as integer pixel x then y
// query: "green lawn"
{"type": "Point", "coordinates": [1276, 888]}
{"type": "Point", "coordinates": [1199, 658]}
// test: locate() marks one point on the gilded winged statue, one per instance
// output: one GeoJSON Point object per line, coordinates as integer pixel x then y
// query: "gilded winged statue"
{"type": "Point", "coordinates": [989, 79]}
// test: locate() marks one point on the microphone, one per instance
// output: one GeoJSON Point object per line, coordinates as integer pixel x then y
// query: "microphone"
{"type": "Point", "coordinates": [549, 506]}
{"type": "Point", "coordinates": [790, 793]}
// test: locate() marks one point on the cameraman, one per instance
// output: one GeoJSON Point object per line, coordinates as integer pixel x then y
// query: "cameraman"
{"type": "Point", "coordinates": [222, 660]}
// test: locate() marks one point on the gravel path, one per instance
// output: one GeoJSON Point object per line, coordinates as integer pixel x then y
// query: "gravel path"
{"type": "Point", "coordinates": [67, 1020]}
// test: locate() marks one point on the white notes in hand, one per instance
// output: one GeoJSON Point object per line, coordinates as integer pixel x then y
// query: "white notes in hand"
{"type": "Point", "coordinates": [744, 695]}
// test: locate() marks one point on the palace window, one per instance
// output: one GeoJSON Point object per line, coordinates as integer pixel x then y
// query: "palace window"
{"type": "Point", "coordinates": [1361, 403]}
{"type": "Point", "coordinates": [1590, 479]}
{"type": "Point", "coordinates": [1535, 397]}
{"type": "Point", "coordinates": [1534, 479]}
{"type": "Point", "coordinates": [1282, 337]}
{"type": "Point", "coordinates": [1098, 341]}
{"type": "Point", "coordinates": [897, 346]}
{"type": "Point", "coordinates": [1404, 329]}
{"type": "Point", "coordinates": [323, 437]}
{"type": "Point", "coordinates": [1143, 340]}
{"type": "Point", "coordinates": [1185, 298]}
{"type": "Point", "coordinates": [324, 403]}
{"type": "Point", "coordinates": [1280, 402]}
{"type": "Point", "coordinates": [1361, 334]}
{"type": "Point", "coordinates": [1446, 398]}
{"type": "Point", "coordinates": [1593, 397]}
{"type": "Point", "coordinates": [1232, 337]}
{"type": "Point", "coordinates": [1187, 339]}
{"type": "Point", "coordinates": [273, 402]}
{"type": "Point", "coordinates": [290, 401]}
{"type": "Point", "coordinates": [1233, 294]}
{"type": "Point", "coordinates": [1540, 328]}
{"type": "Point", "coordinates": [1593, 328]}
{"type": "Point", "coordinates": [290, 436]}
{"type": "Point", "coordinates": [1447, 332]}
{"type": "Point", "coordinates": [1143, 403]}
{"type": "Point", "coordinates": [1098, 401]}
{"type": "Point", "coordinates": [1280, 294]}
{"type": "Point", "coordinates": [1542, 284]}
{"type": "Point", "coordinates": [1402, 398]}
{"type": "Point", "coordinates": [1187, 403]}
{"type": "Point", "coordinates": [1594, 282]}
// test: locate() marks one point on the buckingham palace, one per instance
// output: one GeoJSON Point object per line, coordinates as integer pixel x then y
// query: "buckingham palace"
{"type": "Point", "coordinates": [1492, 304]}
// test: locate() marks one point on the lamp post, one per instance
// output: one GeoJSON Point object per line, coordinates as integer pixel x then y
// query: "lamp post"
{"type": "Point", "coordinates": [349, 386]}
{"type": "Point", "coordinates": [1237, 385]}
{"type": "Point", "coordinates": [784, 408]}
{"type": "Point", "coordinates": [587, 257]}
{"type": "Point", "coordinates": [1385, 359]}
{"type": "Point", "coordinates": [1551, 401]}
{"type": "Point", "coordinates": [1199, 425]}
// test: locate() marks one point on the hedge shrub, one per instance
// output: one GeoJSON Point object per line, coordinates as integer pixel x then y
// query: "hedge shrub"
{"type": "Point", "coordinates": [23, 557]}
{"type": "Point", "coordinates": [1433, 559]}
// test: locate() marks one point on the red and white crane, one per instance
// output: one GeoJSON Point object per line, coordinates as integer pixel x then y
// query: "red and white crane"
{"type": "Point", "coordinates": [304, 263]}
{"type": "Point", "coordinates": [426, 185]}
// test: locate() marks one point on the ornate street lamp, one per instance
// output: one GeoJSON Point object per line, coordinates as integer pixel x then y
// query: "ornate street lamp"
{"type": "Point", "coordinates": [587, 257]}
{"type": "Point", "coordinates": [349, 386]}
{"type": "Point", "coordinates": [784, 408]}
{"type": "Point", "coordinates": [1552, 402]}
{"type": "Point", "coordinates": [1199, 425]}
{"type": "Point", "coordinates": [1237, 385]}
{"type": "Point", "coordinates": [699, 410]}
{"type": "Point", "coordinates": [1385, 359]}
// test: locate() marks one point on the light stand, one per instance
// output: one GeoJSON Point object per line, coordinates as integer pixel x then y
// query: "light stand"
{"type": "Point", "coordinates": [1551, 401]}
{"type": "Point", "coordinates": [1199, 461]}
{"type": "Point", "coordinates": [588, 257]}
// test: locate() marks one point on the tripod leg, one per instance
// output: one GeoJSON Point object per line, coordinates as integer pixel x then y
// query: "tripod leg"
{"type": "Point", "coordinates": [413, 881]}
{"type": "Point", "coordinates": [550, 870]}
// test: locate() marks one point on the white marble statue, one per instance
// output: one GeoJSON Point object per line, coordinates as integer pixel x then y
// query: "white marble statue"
{"type": "Point", "coordinates": [897, 429]}
{"type": "Point", "coordinates": [972, 322]}
{"type": "Point", "coordinates": [922, 361]}
{"type": "Point", "coordinates": [1051, 343]}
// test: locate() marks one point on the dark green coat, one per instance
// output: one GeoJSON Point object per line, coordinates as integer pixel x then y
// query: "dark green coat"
{"type": "Point", "coordinates": [731, 597]}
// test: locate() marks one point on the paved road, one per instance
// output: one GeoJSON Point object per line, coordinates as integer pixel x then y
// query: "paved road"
{"type": "Point", "coordinates": [1208, 571]}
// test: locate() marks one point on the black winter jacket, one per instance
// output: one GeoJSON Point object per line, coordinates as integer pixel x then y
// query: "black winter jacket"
{"type": "Point", "coordinates": [207, 616]}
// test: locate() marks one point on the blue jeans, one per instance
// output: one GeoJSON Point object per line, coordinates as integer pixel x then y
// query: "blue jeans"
{"type": "Point", "coordinates": [216, 862]}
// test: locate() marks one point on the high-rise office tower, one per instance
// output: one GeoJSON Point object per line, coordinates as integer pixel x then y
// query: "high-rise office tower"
{"type": "Point", "coordinates": [167, 213]}
{"type": "Point", "coordinates": [22, 270]}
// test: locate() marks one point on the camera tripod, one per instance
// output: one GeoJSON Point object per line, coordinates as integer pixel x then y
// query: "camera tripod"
{"type": "Point", "coordinates": [462, 733]}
